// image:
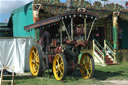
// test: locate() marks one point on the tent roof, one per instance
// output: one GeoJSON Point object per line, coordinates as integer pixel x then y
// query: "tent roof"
{"type": "Point", "coordinates": [23, 8]}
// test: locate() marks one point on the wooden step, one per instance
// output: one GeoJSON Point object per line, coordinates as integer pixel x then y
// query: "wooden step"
{"type": "Point", "coordinates": [107, 60]}
{"type": "Point", "coordinates": [6, 80]}
{"type": "Point", "coordinates": [109, 63]}
{"type": "Point", "coordinates": [107, 56]}
{"type": "Point", "coordinates": [8, 75]}
{"type": "Point", "coordinates": [112, 63]}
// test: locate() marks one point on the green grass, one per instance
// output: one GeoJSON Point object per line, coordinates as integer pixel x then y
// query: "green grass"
{"type": "Point", "coordinates": [112, 72]}
{"type": "Point", "coordinates": [115, 72]}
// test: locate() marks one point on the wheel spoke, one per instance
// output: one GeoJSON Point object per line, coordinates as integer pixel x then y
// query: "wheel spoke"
{"type": "Point", "coordinates": [34, 69]}
{"type": "Point", "coordinates": [37, 60]}
{"type": "Point", "coordinates": [61, 67]}
{"type": "Point", "coordinates": [34, 53]}
{"type": "Point", "coordinates": [37, 55]}
{"type": "Point", "coordinates": [90, 64]}
{"type": "Point", "coordinates": [57, 71]}
{"type": "Point", "coordinates": [87, 66]}
{"type": "Point", "coordinates": [88, 74]}
{"type": "Point", "coordinates": [88, 60]}
{"type": "Point", "coordinates": [85, 60]}
{"type": "Point", "coordinates": [33, 61]}
{"type": "Point", "coordinates": [37, 67]}
{"type": "Point", "coordinates": [61, 72]}
{"type": "Point", "coordinates": [57, 62]}
{"type": "Point", "coordinates": [61, 64]}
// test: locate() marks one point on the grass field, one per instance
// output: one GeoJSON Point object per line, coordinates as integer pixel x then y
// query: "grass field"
{"type": "Point", "coordinates": [106, 73]}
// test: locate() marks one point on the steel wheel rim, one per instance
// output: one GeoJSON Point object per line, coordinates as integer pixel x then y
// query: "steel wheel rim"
{"type": "Point", "coordinates": [34, 61]}
{"type": "Point", "coordinates": [86, 66]}
{"type": "Point", "coordinates": [58, 67]}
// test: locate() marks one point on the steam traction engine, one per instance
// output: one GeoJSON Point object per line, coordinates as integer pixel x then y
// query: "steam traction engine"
{"type": "Point", "coordinates": [64, 40]}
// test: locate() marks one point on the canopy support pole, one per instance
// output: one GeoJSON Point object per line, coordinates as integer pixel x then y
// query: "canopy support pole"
{"type": "Point", "coordinates": [61, 35]}
{"type": "Point", "coordinates": [85, 29]}
{"type": "Point", "coordinates": [66, 30]}
{"type": "Point", "coordinates": [72, 28]}
{"type": "Point", "coordinates": [91, 29]}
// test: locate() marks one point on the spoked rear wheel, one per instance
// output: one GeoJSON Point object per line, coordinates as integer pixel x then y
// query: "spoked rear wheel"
{"type": "Point", "coordinates": [59, 66]}
{"type": "Point", "coordinates": [87, 66]}
{"type": "Point", "coordinates": [35, 61]}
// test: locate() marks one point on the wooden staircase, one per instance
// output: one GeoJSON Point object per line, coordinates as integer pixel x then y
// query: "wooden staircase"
{"type": "Point", "coordinates": [98, 53]}
{"type": "Point", "coordinates": [103, 55]}
{"type": "Point", "coordinates": [2, 78]}
{"type": "Point", "coordinates": [110, 54]}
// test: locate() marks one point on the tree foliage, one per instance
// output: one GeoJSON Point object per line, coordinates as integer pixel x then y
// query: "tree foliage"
{"type": "Point", "coordinates": [97, 5]}
{"type": "Point", "coordinates": [113, 7]}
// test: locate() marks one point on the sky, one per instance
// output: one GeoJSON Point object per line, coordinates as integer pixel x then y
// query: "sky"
{"type": "Point", "coordinates": [7, 6]}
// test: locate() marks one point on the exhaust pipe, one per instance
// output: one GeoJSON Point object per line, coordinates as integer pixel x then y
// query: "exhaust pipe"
{"type": "Point", "coordinates": [69, 5]}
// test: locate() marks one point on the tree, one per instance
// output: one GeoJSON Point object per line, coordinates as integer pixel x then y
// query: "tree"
{"type": "Point", "coordinates": [113, 7]}
{"type": "Point", "coordinates": [87, 4]}
{"type": "Point", "coordinates": [97, 5]}
{"type": "Point", "coordinates": [81, 3]}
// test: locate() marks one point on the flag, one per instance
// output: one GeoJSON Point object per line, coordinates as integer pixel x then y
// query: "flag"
{"type": "Point", "coordinates": [6, 20]}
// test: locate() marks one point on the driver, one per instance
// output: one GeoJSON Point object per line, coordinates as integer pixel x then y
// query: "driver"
{"type": "Point", "coordinates": [79, 32]}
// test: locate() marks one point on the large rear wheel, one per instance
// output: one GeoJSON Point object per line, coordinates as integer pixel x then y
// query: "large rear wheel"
{"type": "Point", "coordinates": [87, 66]}
{"type": "Point", "coordinates": [59, 66]}
{"type": "Point", "coordinates": [35, 61]}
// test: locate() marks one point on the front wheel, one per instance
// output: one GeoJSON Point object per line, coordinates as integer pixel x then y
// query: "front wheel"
{"type": "Point", "coordinates": [35, 61]}
{"type": "Point", "coordinates": [59, 66]}
{"type": "Point", "coordinates": [87, 66]}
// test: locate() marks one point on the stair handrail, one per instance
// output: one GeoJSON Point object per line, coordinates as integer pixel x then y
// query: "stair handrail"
{"type": "Point", "coordinates": [108, 43]}
{"type": "Point", "coordinates": [96, 46]}
{"type": "Point", "coordinates": [101, 53]}
{"type": "Point", "coordinates": [112, 52]}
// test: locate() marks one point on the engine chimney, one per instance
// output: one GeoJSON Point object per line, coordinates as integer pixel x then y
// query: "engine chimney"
{"type": "Point", "coordinates": [69, 5]}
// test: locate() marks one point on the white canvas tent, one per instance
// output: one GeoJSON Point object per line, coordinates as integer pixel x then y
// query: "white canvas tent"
{"type": "Point", "coordinates": [14, 52]}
